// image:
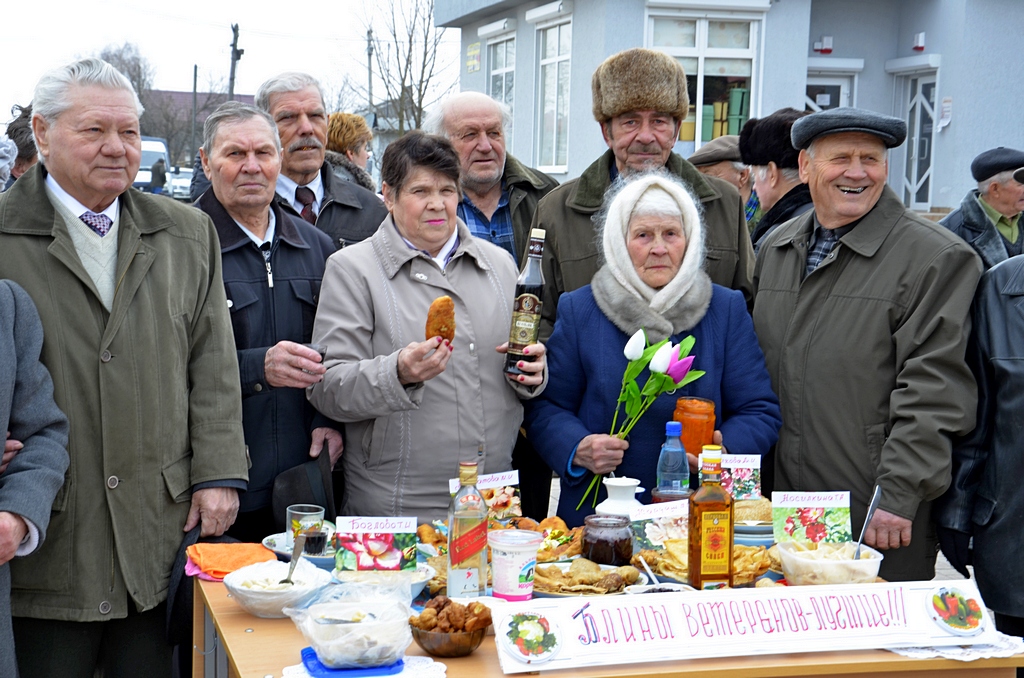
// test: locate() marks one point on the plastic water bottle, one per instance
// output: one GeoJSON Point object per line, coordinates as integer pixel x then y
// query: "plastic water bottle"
{"type": "Point", "coordinates": [673, 468]}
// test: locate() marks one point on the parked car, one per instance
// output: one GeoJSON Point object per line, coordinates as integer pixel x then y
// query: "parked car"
{"type": "Point", "coordinates": [180, 179]}
{"type": "Point", "coordinates": [153, 148]}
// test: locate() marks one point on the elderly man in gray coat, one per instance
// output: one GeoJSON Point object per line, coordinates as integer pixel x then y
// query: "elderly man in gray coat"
{"type": "Point", "coordinates": [29, 482]}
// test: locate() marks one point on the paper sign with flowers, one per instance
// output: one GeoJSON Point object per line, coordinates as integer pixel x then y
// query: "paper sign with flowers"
{"type": "Point", "coordinates": [669, 369]}
{"type": "Point", "coordinates": [375, 543]}
{"type": "Point", "coordinates": [811, 517]}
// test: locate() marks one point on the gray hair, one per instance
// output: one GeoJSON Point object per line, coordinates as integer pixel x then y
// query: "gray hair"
{"type": "Point", "coordinates": [1001, 179]}
{"type": "Point", "coordinates": [291, 81]}
{"type": "Point", "coordinates": [434, 123]}
{"type": "Point", "coordinates": [231, 112]}
{"type": "Point", "coordinates": [51, 96]}
{"type": "Point", "coordinates": [790, 174]}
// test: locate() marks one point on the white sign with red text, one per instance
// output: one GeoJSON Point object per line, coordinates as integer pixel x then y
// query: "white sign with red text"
{"type": "Point", "coordinates": [565, 633]}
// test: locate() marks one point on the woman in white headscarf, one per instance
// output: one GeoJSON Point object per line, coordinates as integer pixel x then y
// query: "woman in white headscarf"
{"type": "Point", "coordinates": [652, 277]}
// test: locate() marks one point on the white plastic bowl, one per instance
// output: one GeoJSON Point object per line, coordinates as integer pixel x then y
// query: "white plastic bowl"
{"type": "Point", "coordinates": [244, 586]}
{"type": "Point", "coordinates": [377, 640]}
{"type": "Point", "coordinates": [801, 567]}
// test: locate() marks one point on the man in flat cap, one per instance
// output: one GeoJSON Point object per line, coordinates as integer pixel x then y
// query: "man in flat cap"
{"type": "Point", "coordinates": [988, 218]}
{"type": "Point", "coordinates": [765, 146]}
{"type": "Point", "coordinates": [640, 100]}
{"type": "Point", "coordinates": [861, 309]}
{"type": "Point", "coordinates": [721, 158]}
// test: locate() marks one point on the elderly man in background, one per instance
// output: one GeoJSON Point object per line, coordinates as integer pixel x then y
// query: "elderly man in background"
{"type": "Point", "coordinates": [273, 264]}
{"type": "Point", "coordinates": [639, 100]}
{"type": "Point", "coordinates": [19, 131]}
{"type": "Point", "coordinates": [989, 218]}
{"type": "Point", "coordinates": [862, 313]}
{"type": "Point", "coordinates": [144, 367]}
{"type": "Point", "coordinates": [307, 187]}
{"type": "Point", "coordinates": [721, 158]}
{"type": "Point", "coordinates": [765, 145]}
{"type": "Point", "coordinates": [499, 200]}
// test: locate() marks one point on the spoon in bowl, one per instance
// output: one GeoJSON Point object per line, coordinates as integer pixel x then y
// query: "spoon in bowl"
{"type": "Point", "coordinates": [300, 541]}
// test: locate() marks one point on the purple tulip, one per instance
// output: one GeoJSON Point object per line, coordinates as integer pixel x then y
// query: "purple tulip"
{"type": "Point", "coordinates": [677, 368]}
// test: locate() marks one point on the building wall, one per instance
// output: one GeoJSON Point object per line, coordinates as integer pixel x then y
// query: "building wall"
{"type": "Point", "coordinates": [784, 66]}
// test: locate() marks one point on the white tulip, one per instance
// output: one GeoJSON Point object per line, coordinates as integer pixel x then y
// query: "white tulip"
{"type": "Point", "coordinates": [662, 358]}
{"type": "Point", "coordinates": [635, 346]}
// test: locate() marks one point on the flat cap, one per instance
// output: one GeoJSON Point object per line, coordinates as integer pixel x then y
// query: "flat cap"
{"type": "Point", "coordinates": [767, 140]}
{"type": "Point", "coordinates": [639, 79]}
{"type": "Point", "coordinates": [1018, 176]}
{"type": "Point", "coordinates": [996, 160]}
{"type": "Point", "coordinates": [892, 131]}
{"type": "Point", "coordinates": [717, 150]}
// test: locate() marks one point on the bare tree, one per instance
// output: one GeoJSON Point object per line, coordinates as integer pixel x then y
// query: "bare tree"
{"type": "Point", "coordinates": [133, 65]}
{"type": "Point", "coordinates": [406, 59]}
{"type": "Point", "coordinates": [169, 116]}
{"type": "Point", "coordinates": [345, 97]}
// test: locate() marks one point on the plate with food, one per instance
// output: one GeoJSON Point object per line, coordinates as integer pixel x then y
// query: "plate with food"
{"type": "Point", "coordinates": [583, 577]}
{"type": "Point", "coordinates": [670, 564]}
{"type": "Point", "coordinates": [529, 637]}
{"type": "Point", "coordinates": [954, 611]}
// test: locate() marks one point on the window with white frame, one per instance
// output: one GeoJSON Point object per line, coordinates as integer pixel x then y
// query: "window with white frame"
{"type": "Point", "coordinates": [501, 66]}
{"type": "Point", "coordinates": [719, 56]}
{"type": "Point", "coordinates": [555, 43]}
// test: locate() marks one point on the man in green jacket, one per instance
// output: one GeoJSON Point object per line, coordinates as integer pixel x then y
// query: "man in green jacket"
{"type": "Point", "coordinates": [138, 340]}
{"type": "Point", "coordinates": [862, 314]}
{"type": "Point", "coordinates": [499, 200]}
{"type": "Point", "coordinates": [640, 101]}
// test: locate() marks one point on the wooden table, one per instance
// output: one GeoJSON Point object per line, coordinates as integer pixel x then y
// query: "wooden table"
{"type": "Point", "coordinates": [231, 642]}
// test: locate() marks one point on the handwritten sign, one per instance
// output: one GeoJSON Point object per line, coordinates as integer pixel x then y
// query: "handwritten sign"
{"type": "Point", "coordinates": [654, 523]}
{"type": "Point", "coordinates": [375, 543]}
{"type": "Point", "coordinates": [811, 517]}
{"type": "Point", "coordinates": [738, 622]}
{"type": "Point", "coordinates": [500, 492]}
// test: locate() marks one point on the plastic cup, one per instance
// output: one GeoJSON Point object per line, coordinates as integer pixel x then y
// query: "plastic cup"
{"type": "Point", "coordinates": [513, 560]}
{"type": "Point", "coordinates": [661, 495]}
{"type": "Point", "coordinates": [302, 518]}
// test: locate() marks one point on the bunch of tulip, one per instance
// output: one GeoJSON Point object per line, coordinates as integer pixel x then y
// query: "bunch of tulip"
{"type": "Point", "coordinates": [669, 369]}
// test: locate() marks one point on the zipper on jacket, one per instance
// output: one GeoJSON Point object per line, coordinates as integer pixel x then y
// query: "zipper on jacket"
{"type": "Point", "coordinates": [270, 274]}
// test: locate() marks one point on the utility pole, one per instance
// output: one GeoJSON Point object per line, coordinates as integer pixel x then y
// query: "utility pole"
{"type": "Point", "coordinates": [195, 78]}
{"type": "Point", "coordinates": [369, 69]}
{"type": "Point", "coordinates": [236, 54]}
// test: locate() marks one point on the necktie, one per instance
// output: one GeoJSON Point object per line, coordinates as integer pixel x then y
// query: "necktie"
{"type": "Point", "coordinates": [100, 223]}
{"type": "Point", "coordinates": [306, 197]}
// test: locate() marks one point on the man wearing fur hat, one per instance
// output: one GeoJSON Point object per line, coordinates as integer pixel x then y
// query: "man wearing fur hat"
{"type": "Point", "coordinates": [861, 310]}
{"type": "Point", "coordinates": [640, 100]}
{"type": "Point", "coordinates": [765, 145]}
{"type": "Point", "coordinates": [989, 217]}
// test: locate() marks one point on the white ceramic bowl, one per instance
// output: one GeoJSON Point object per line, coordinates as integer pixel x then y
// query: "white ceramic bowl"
{"type": "Point", "coordinates": [417, 578]}
{"type": "Point", "coordinates": [802, 566]}
{"type": "Point", "coordinates": [256, 587]}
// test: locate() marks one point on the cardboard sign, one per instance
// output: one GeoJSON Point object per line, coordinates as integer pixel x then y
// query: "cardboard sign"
{"type": "Point", "coordinates": [552, 634]}
{"type": "Point", "coordinates": [375, 543]}
{"type": "Point", "coordinates": [500, 492]}
{"type": "Point", "coordinates": [811, 517]}
{"type": "Point", "coordinates": [654, 523]}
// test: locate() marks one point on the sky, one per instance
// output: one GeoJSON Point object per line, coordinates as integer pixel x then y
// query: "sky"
{"type": "Point", "coordinates": [174, 35]}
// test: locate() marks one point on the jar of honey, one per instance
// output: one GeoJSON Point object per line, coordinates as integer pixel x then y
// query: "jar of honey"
{"type": "Point", "coordinates": [697, 415]}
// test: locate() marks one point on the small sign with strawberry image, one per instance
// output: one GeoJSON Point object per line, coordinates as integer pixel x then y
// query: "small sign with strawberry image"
{"type": "Point", "coordinates": [954, 611]}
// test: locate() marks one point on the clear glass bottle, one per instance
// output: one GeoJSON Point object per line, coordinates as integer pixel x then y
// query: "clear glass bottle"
{"type": "Point", "coordinates": [711, 521]}
{"type": "Point", "coordinates": [467, 537]}
{"type": "Point", "coordinates": [526, 306]}
{"type": "Point", "coordinates": [673, 469]}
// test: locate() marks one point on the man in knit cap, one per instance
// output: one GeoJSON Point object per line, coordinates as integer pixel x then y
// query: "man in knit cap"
{"type": "Point", "coordinates": [989, 217]}
{"type": "Point", "coordinates": [640, 101]}
{"type": "Point", "coordinates": [861, 310]}
{"type": "Point", "coordinates": [765, 145]}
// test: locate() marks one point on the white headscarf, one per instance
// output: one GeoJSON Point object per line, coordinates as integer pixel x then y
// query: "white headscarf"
{"type": "Point", "coordinates": [647, 192]}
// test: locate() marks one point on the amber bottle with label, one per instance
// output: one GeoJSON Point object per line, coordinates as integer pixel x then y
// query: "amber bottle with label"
{"type": "Point", "coordinates": [526, 306]}
{"type": "Point", "coordinates": [711, 520]}
{"type": "Point", "coordinates": [467, 537]}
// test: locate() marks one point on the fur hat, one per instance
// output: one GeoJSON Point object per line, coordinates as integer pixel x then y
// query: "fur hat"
{"type": "Point", "coordinates": [345, 131]}
{"type": "Point", "coordinates": [768, 139]}
{"type": "Point", "coordinates": [639, 80]}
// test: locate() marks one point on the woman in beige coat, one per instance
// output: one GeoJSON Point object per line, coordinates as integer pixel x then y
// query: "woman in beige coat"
{"type": "Point", "coordinates": [415, 408]}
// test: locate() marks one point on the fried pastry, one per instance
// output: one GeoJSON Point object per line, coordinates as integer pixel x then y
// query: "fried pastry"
{"type": "Point", "coordinates": [441, 319]}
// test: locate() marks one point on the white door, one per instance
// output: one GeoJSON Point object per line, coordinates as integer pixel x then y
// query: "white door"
{"type": "Point", "coordinates": [917, 171]}
{"type": "Point", "coordinates": [824, 92]}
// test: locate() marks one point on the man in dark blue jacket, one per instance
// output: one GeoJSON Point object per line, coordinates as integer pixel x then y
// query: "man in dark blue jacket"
{"type": "Point", "coordinates": [273, 266]}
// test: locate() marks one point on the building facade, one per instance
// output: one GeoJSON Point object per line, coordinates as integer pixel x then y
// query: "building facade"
{"type": "Point", "coordinates": [941, 65]}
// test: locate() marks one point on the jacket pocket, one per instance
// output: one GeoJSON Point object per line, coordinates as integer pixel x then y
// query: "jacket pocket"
{"type": "Point", "coordinates": [983, 510]}
{"type": "Point", "coordinates": [875, 436]}
{"type": "Point", "coordinates": [178, 478]}
{"type": "Point", "coordinates": [60, 502]}
{"type": "Point", "coordinates": [374, 439]}
{"type": "Point", "coordinates": [307, 293]}
{"type": "Point", "coordinates": [241, 299]}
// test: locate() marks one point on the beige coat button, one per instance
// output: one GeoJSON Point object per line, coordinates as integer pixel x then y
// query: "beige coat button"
{"type": "Point", "coordinates": [112, 481]}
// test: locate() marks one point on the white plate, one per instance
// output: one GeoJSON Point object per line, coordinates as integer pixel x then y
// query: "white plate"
{"type": "Point", "coordinates": [946, 625]}
{"type": "Point", "coordinates": [276, 543]}
{"type": "Point", "coordinates": [563, 566]}
{"type": "Point", "coordinates": [502, 630]}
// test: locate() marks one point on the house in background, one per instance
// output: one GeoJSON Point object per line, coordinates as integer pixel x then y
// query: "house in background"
{"type": "Point", "coordinates": [947, 67]}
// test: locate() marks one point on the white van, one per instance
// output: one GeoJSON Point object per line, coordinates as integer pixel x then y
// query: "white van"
{"type": "Point", "coordinates": [152, 149]}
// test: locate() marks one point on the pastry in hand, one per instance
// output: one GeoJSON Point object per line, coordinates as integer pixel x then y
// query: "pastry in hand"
{"type": "Point", "coordinates": [441, 319]}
